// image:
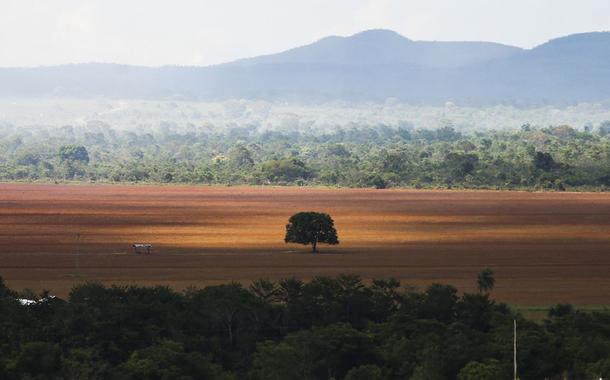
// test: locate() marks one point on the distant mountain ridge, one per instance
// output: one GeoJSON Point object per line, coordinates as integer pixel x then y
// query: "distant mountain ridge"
{"type": "Point", "coordinates": [379, 46]}
{"type": "Point", "coordinates": [369, 66]}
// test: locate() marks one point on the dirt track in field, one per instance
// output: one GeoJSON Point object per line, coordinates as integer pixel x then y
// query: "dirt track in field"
{"type": "Point", "coordinates": [544, 247]}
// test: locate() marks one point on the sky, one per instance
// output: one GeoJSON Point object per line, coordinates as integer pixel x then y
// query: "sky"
{"type": "Point", "coordinates": [204, 32]}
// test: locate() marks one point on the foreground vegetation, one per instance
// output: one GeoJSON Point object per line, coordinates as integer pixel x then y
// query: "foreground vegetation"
{"type": "Point", "coordinates": [552, 158]}
{"type": "Point", "coordinates": [328, 328]}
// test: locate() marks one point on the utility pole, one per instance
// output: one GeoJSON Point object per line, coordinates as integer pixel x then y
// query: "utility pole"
{"type": "Point", "coordinates": [515, 349]}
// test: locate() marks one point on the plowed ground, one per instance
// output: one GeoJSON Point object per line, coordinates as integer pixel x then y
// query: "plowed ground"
{"type": "Point", "coordinates": [544, 247]}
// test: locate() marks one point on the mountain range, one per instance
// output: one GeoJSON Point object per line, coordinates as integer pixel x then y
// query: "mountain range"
{"type": "Point", "coordinates": [373, 65]}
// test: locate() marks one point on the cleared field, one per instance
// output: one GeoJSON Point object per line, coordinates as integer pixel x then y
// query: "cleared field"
{"type": "Point", "coordinates": [544, 247]}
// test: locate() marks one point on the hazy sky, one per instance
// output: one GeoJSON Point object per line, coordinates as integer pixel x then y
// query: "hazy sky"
{"type": "Point", "coordinates": [200, 32]}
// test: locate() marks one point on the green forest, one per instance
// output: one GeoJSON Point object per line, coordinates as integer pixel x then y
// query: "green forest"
{"type": "Point", "coordinates": [327, 328]}
{"type": "Point", "coordinates": [555, 158]}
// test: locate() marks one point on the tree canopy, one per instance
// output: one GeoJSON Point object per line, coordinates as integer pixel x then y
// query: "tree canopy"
{"type": "Point", "coordinates": [329, 327]}
{"type": "Point", "coordinates": [311, 228]}
{"type": "Point", "coordinates": [73, 153]}
{"type": "Point", "coordinates": [552, 158]}
{"type": "Point", "coordinates": [486, 280]}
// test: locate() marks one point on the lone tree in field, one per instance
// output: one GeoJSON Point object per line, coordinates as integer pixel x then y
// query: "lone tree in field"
{"type": "Point", "coordinates": [486, 280]}
{"type": "Point", "coordinates": [311, 228]}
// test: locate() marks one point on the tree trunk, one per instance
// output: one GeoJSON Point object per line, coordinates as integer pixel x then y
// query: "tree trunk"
{"type": "Point", "coordinates": [315, 243]}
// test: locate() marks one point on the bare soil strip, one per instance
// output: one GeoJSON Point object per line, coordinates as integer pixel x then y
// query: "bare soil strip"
{"type": "Point", "coordinates": [544, 247]}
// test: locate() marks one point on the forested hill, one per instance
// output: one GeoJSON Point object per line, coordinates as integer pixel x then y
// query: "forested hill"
{"type": "Point", "coordinates": [369, 66]}
{"type": "Point", "coordinates": [381, 47]}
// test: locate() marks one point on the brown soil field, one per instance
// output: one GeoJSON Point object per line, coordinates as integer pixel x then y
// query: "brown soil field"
{"type": "Point", "coordinates": [544, 247]}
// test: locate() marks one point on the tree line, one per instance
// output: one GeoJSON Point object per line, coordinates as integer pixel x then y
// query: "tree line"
{"type": "Point", "coordinates": [327, 328]}
{"type": "Point", "coordinates": [553, 158]}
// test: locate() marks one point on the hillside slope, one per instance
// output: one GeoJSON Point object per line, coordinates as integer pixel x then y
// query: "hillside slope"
{"type": "Point", "coordinates": [369, 66]}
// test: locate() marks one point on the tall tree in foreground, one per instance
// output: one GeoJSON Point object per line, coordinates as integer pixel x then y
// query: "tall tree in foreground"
{"type": "Point", "coordinates": [486, 280]}
{"type": "Point", "coordinates": [311, 228]}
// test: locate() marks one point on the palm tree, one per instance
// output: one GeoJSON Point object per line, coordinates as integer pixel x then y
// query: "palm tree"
{"type": "Point", "coordinates": [486, 280]}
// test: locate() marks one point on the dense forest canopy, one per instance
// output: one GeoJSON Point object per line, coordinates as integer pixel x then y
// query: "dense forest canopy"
{"type": "Point", "coordinates": [557, 157]}
{"type": "Point", "coordinates": [328, 328]}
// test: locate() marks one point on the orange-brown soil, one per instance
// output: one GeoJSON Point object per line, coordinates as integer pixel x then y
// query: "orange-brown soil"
{"type": "Point", "coordinates": [544, 247]}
